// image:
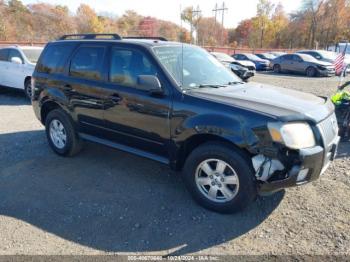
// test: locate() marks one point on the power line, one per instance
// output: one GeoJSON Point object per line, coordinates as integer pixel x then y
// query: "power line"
{"type": "Point", "coordinates": [222, 9]}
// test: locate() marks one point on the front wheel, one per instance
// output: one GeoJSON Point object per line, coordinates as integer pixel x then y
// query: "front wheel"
{"type": "Point", "coordinates": [220, 178]}
{"type": "Point", "coordinates": [311, 72]}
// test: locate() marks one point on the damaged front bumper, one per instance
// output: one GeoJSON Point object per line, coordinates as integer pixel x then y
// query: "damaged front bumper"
{"type": "Point", "coordinates": [311, 163]}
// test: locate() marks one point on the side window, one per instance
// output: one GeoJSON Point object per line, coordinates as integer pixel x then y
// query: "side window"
{"type": "Point", "coordinates": [127, 65]}
{"type": "Point", "coordinates": [288, 57]}
{"type": "Point", "coordinates": [54, 58]}
{"type": "Point", "coordinates": [87, 63]}
{"type": "Point", "coordinates": [296, 58]}
{"type": "Point", "coordinates": [4, 54]}
{"type": "Point", "coordinates": [14, 53]}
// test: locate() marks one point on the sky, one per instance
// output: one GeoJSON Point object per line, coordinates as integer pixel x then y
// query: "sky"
{"type": "Point", "coordinates": [170, 9]}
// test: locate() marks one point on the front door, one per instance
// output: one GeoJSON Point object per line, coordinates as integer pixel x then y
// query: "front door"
{"type": "Point", "coordinates": [15, 72]}
{"type": "Point", "coordinates": [4, 66]}
{"type": "Point", "coordinates": [133, 115]}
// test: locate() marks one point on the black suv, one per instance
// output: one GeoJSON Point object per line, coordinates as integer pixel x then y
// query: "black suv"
{"type": "Point", "coordinates": [176, 104]}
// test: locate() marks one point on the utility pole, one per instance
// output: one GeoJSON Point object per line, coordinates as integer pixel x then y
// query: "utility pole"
{"type": "Point", "coordinates": [215, 10]}
{"type": "Point", "coordinates": [195, 13]}
{"type": "Point", "coordinates": [223, 9]}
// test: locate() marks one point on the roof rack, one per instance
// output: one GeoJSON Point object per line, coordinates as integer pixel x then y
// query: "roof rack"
{"type": "Point", "coordinates": [146, 37]}
{"type": "Point", "coordinates": [91, 36]}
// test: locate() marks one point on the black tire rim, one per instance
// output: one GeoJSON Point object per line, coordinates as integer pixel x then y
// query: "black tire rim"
{"type": "Point", "coordinates": [28, 89]}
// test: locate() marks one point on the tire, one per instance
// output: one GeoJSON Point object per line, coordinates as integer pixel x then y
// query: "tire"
{"type": "Point", "coordinates": [277, 69]}
{"type": "Point", "coordinates": [28, 88]}
{"type": "Point", "coordinates": [311, 71]}
{"type": "Point", "coordinates": [70, 143]}
{"type": "Point", "coordinates": [238, 177]}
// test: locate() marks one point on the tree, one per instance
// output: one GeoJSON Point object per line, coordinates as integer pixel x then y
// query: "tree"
{"type": "Point", "coordinates": [87, 20]}
{"type": "Point", "coordinates": [262, 20]}
{"type": "Point", "coordinates": [191, 18]}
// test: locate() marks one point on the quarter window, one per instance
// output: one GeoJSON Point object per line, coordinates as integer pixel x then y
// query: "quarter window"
{"type": "Point", "coordinates": [87, 63]}
{"type": "Point", "coordinates": [127, 65]}
{"type": "Point", "coordinates": [54, 58]}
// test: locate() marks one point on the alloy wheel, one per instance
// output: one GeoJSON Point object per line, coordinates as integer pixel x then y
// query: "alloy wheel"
{"type": "Point", "coordinates": [217, 180]}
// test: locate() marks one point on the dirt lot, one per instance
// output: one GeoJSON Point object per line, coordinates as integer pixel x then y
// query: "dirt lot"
{"type": "Point", "coordinates": [106, 201]}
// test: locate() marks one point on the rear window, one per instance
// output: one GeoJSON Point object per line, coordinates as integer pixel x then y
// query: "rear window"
{"type": "Point", "coordinates": [54, 58]}
{"type": "Point", "coordinates": [3, 54]}
{"type": "Point", "coordinates": [87, 63]}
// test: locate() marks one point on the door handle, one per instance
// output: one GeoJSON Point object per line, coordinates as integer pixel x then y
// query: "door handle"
{"type": "Point", "coordinates": [115, 97]}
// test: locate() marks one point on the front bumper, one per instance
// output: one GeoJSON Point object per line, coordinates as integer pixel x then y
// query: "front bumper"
{"type": "Point", "coordinates": [326, 72]}
{"type": "Point", "coordinates": [310, 165]}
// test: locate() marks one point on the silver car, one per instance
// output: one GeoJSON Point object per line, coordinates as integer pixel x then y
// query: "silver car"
{"type": "Point", "coordinates": [302, 64]}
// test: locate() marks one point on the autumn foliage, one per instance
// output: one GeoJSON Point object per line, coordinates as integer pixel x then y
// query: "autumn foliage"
{"type": "Point", "coordinates": [318, 23]}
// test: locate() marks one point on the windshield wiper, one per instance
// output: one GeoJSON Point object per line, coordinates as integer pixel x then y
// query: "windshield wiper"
{"type": "Point", "coordinates": [209, 85]}
{"type": "Point", "coordinates": [235, 83]}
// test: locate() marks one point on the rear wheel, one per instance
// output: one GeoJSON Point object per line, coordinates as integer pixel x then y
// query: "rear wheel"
{"type": "Point", "coordinates": [61, 134]}
{"type": "Point", "coordinates": [311, 72]}
{"type": "Point", "coordinates": [220, 178]}
{"type": "Point", "coordinates": [277, 68]}
{"type": "Point", "coordinates": [28, 88]}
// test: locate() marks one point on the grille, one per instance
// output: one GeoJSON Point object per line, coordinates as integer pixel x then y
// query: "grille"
{"type": "Point", "coordinates": [329, 130]}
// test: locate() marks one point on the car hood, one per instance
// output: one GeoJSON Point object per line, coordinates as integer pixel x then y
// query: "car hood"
{"type": "Point", "coordinates": [282, 103]}
{"type": "Point", "coordinates": [324, 63]}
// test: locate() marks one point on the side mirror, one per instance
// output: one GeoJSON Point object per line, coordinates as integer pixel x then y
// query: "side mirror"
{"type": "Point", "coordinates": [150, 83]}
{"type": "Point", "coordinates": [16, 60]}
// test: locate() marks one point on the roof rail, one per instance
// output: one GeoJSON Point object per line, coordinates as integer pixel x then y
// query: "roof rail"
{"type": "Point", "coordinates": [90, 36]}
{"type": "Point", "coordinates": [146, 37]}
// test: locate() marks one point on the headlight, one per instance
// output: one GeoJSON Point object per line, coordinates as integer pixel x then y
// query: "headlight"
{"type": "Point", "coordinates": [296, 135]}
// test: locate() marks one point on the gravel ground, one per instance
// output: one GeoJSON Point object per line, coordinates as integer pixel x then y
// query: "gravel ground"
{"type": "Point", "coordinates": [105, 201]}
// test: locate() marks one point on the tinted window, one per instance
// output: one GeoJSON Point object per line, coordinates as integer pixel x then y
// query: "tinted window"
{"type": "Point", "coordinates": [14, 53]}
{"type": "Point", "coordinates": [54, 58]}
{"type": "Point", "coordinates": [87, 63]}
{"type": "Point", "coordinates": [297, 58]}
{"type": "Point", "coordinates": [127, 65]}
{"type": "Point", "coordinates": [287, 57]}
{"type": "Point", "coordinates": [3, 54]}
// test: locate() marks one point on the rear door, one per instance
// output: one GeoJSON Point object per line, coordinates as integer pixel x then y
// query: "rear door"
{"type": "Point", "coordinates": [3, 66]}
{"type": "Point", "coordinates": [84, 85]}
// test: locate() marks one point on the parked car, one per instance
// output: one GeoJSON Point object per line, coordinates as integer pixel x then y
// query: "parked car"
{"type": "Point", "coordinates": [266, 56]}
{"type": "Point", "coordinates": [176, 104]}
{"type": "Point", "coordinates": [244, 72]}
{"type": "Point", "coordinates": [326, 56]}
{"type": "Point", "coordinates": [260, 64]}
{"type": "Point", "coordinates": [304, 64]}
{"type": "Point", "coordinates": [17, 64]}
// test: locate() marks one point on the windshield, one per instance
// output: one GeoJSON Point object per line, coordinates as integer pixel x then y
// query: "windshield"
{"type": "Point", "coordinates": [223, 57]}
{"type": "Point", "coordinates": [253, 57]}
{"type": "Point", "coordinates": [32, 54]}
{"type": "Point", "coordinates": [193, 67]}
{"type": "Point", "coordinates": [270, 56]}
{"type": "Point", "coordinates": [328, 55]}
{"type": "Point", "coordinates": [307, 58]}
